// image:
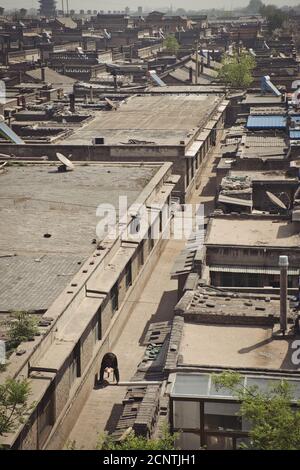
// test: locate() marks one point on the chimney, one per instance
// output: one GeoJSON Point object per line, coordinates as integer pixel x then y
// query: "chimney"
{"type": "Point", "coordinates": [191, 74]}
{"type": "Point", "coordinates": [6, 57]}
{"type": "Point", "coordinates": [283, 264]}
{"type": "Point", "coordinates": [202, 65]}
{"type": "Point", "coordinates": [91, 94]}
{"type": "Point", "coordinates": [72, 102]}
{"type": "Point", "coordinates": [43, 74]}
{"type": "Point", "coordinates": [208, 58]}
{"type": "Point", "coordinates": [23, 101]}
{"type": "Point", "coordinates": [115, 82]}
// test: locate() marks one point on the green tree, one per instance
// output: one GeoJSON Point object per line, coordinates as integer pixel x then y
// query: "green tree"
{"type": "Point", "coordinates": [180, 12]}
{"type": "Point", "coordinates": [14, 396]}
{"type": "Point", "coordinates": [274, 423]}
{"type": "Point", "coordinates": [22, 12]}
{"type": "Point", "coordinates": [274, 16]}
{"type": "Point", "coordinates": [254, 6]}
{"type": "Point", "coordinates": [1, 11]}
{"type": "Point", "coordinates": [22, 327]}
{"type": "Point", "coordinates": [133, 442]}
{"type": "Point", "coordinates": [237, 70]}
{"type": "Point", "coordinates": [171, 44]}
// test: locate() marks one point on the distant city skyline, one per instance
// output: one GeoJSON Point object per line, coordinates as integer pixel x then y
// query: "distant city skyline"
{"type": "Point", "coordinates": [133, 4]}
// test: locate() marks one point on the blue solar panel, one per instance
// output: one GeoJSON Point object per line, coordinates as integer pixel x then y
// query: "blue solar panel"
{"type": "Point", "coordinates": [9, 134]}
{"type": "Point", "coordinates": [295, 119]}
{"type": "Point", "coordinates": [295, 134]}
{"type": "Point", "coordinates": [156, 78]}
{"type": "Point", "coordinates": [266, 122]}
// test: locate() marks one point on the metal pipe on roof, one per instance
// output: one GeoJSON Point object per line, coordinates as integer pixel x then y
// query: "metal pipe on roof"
{"type": "Point", "coordinates": [43, 74]}
{"type": "Point", "coordinates": [197, 63]}
{"type": "Point", "coordinates": [72, 102]}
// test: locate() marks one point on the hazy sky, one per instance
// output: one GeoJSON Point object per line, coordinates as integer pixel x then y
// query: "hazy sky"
{"type": "Point", "coordinates": [121, 4]}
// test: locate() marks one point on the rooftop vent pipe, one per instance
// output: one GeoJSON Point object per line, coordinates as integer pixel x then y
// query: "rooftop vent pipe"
{"type": "Point", "coordinates": [72, 102]}
{"type": "Point", "coordinates": [43, 74]}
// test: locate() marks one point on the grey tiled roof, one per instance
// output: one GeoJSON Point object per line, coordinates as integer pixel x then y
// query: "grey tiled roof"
{"type": "Point", "coordinates": [28, 283]}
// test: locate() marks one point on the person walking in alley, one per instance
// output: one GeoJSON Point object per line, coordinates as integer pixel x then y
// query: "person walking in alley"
{"type": "Point", "coordinates": [109, 364]}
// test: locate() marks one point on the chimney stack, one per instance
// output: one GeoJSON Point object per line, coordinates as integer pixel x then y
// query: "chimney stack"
{"type": "Point", "coordinates": [72, 102]}
{"type": "Point", "coordinates": [23, 101]}
{"type": "Point", "coordinates": [91, 94]}
{"type": "Point", "coordinates": [115, 82]}
{"type": "Point", "coordinates": [202, 65]}
{"type": "Point", "coordinates": [191, 74]}
{"type": "Point", "coordinates": [43, 74]}
{"type": "Point", "coordinates": [283, 264]}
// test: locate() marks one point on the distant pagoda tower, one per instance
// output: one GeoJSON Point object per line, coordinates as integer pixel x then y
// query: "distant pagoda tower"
{"type": "Point", "coordinates": [47, 8]}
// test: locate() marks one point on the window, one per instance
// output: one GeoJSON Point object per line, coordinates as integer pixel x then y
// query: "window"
{"type": "Point", "coordinates": [150, 239]}
{"type": "Point", "coordinates": [46, 416]}
{"type": "Point", "coordinates": [72, 371]}
{"type": "Point", "coordinates": [187, 171]}
{"type": "Point", "coordinates": [128, 275]}
{"type": "Point", "coordinates": [141, 253]}
{"type": "Point", "coordinates": [219, 442]}
{"type": "Point", "coordinates": [115, 298]}
{"type": "Point", "coordinates": [188, 441]}
{"type": "Point", "coordinates": [160, 221]}
{"type": "Point", "coordinates": [186, 415]}
{"type": "Point", "coordinates": [222, 417]}
{"type": "Point", "coordinates": [75, 366]}
{"type": "Point", "coordinates": [99, 323]}
{"type": "Point", "coordinates": [96, 329]}
{"type": "Point", "coordinates": [213, 424]}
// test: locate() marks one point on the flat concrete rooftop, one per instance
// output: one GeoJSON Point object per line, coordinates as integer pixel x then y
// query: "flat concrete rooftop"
{"type": "Point", "coordinates": [234, 346]}
{"type": "Point", "coordinates": [187, 89]}
{"type": "Point", "coordinates": [207, 301]}
{"type": "Point", "coordinates": [268, 175]}
{"type": "Point", "coordinates": [36, 200]}
{"type": "Point", "coordinates": [260, 99]}
{"type": "Point", "coordinates": [263, 146]}
{"type": "Point", "coordinates": [161, 120]}
{"type": "Point", "coordinates": [234, 231]}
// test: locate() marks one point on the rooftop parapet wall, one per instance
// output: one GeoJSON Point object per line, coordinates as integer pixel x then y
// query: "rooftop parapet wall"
{"type": "Point", "coordinates": [61, 310]}
{"type": "Point", "coordinates": [56, 345]}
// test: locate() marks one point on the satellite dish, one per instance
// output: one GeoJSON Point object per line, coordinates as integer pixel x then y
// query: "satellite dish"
{"type": "Point", "coordinates": [276, 201]}
{"type": "Point", "coordinates": [66, 163]}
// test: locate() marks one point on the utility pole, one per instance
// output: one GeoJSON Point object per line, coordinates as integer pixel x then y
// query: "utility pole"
{"type": "Point", "coordinates": [283, 264]}
{"type": "Point", "coordinates": [197, 63]}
